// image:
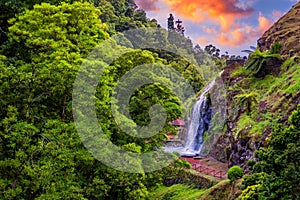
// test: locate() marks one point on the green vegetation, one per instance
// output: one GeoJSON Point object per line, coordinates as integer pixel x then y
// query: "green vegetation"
{"type": "Point", "coordinates": [276, 48]}
{"type": "Point", "coordinates": [239, 72]}
{"type": "Point", "coordinates": [46, 42]}
{"type": "Point", "coordinates": [245, 122]}
{"type": "Point", "coordinates": [234, 173]}
{"type": "Point", "coordinates": [270, 98]}
{"type": "Point", "coordinates": [176, 192]}
{"type": "Point", "coordinates": [41, 155]}
{"type": "Point", "coordinates": [43, 45]}
{"type": "Point", "coordinates": [221, 190]}
{"type": "Point", "coordinates": [247, 100]}
{"type": "Point", "coordinates": [276, 175]}
{"type": "Point", "coordinates": [274, 171]}
{"type": "Point", "coordinates": [258, 59]}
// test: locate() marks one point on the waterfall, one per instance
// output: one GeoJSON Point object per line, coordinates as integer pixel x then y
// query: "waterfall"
{"type": "Point", "coordinates": [199, 122]}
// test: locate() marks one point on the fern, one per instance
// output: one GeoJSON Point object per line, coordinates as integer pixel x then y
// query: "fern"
{"type": "Point", "coordinates": [257, 60]}
{"type": "Point", "coordinates": [247, 100]}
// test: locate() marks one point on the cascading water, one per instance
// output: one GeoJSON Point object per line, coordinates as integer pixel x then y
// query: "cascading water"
{"type": "Point", "coordinates": [199, 123]}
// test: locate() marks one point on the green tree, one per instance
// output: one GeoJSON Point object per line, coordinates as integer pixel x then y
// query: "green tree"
{"type": "Point", "coordinates": [140, 102]}
{"type": "Point", "coordinates": [11, 8]}
{"type": "Point", "coordinates": [234, 173]}
{"type": "Point", "coordinates": [48, 46]}
{"type": "Point", "coordinates": [41, 155]}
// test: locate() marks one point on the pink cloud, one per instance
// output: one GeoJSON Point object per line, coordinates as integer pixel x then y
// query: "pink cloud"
{"type": "Point", "coordinates": [210, 30]}
{"type": "Point", "coordinates": [147, 5]}
{"type": "Point", "coordinates": [223, 12]}
{"type": "Point", "coordinates": [202, 41]}
{"type": "Point", "coordinates": [243, 34]}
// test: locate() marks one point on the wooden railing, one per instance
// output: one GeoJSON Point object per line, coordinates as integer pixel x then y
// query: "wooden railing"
{"type": "Point", "coordinates": [208, 171]}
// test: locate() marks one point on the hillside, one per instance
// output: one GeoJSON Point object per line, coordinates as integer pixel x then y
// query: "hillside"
{"type": "Point", "coordinates": [80, 89]}
{"type": "Point", "coordinates": [261, 134]}
{"type": "Point", "coordinates": [286, 30]}
{"type": "Point", "coordinates": [275, 95]}
{"type": "Point", "coordinates": [262, 130]}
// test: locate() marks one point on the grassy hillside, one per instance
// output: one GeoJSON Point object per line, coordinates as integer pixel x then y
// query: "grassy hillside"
{"type": "Point", "coordinates": [286, 30]}
{"type": "Point", "coordinates": [176, 192]}
{"type": "Point", "coordinates": [276, 97]}
{"type": "Point", "coordinates": [221, 191]}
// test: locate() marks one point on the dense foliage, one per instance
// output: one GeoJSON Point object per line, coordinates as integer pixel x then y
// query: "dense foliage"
{"type": "Point", "coordinates": [43, 44]}
{"type": "Point", "coordinates": [276, 175]}
{"type": "Point", "coordinates": [257, 60]}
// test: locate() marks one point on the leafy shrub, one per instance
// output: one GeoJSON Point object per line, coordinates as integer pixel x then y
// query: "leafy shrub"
{"type": "Point", "coordinates": [276, 174]}
{"type": "Point", "coordinates": [257, 60]}
{"type": "Point", "coordinates": [239, 72]}
{"type": "Point", "coordinates": [250, 193]}
{"type": "Point", "coordinates": [276, 48]}
{"type": "Point", "coordinates": [247, 100]}
{"type": "Point", "coordinates": [234, 173]}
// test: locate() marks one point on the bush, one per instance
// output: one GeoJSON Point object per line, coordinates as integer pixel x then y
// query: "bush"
{"type": "Point", "coordinates": [234, 173]}
{"type": "Point", "coordinates": [276, 47]}
{"type": "Point", "coordinates": [276, 174]}
{"type": "Point", "coordinates": [250, 193]}
{"type": "Point", "coordinates": [251, 163]}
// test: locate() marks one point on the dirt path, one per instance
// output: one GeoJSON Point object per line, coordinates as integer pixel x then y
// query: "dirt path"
{"type": "Point", "coordinates": [209, 166]}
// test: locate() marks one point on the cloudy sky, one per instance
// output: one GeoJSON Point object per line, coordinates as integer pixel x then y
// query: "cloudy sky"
{"type": "Point", "coordinates": [231, 25]}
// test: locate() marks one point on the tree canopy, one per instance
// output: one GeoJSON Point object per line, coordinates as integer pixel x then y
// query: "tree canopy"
{"type": "Point", "coordinates": [43, 45]}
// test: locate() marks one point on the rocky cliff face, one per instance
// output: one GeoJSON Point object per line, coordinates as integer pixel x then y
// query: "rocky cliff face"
{"type": "Point", "coordinates": [278, 95]}
{"type": "Point", "coordinates": [286, 31]}
{"type": "Point", "coordinates": [232, 147]}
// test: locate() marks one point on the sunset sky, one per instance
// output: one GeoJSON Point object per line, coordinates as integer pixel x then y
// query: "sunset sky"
{"type": "Point", "coordinates": [231, 25]}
